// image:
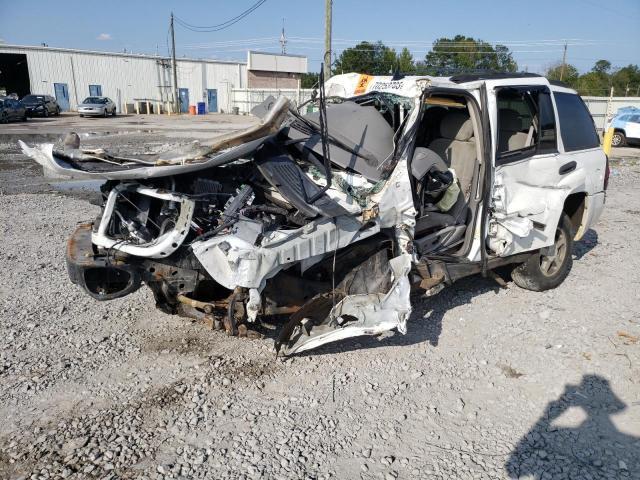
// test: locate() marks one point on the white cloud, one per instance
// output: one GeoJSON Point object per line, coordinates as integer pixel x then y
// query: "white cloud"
{"type": "Point", "coordinates": [104, 36]}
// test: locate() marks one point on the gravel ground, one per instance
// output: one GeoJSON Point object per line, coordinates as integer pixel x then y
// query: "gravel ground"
{"type": "Point", "coordinates": [489, 382]}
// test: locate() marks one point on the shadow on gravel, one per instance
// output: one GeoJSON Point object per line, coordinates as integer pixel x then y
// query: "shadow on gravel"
{"type": "Point", "coordinates": [425, 322]}
{"type": "Point", "coordinates": [586, 244]}
{"type": "Point", "coordinates": [594, 448]}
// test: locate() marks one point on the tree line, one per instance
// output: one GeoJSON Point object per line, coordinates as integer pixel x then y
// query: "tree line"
{"type": "Point", "coordinates": [449, 56]}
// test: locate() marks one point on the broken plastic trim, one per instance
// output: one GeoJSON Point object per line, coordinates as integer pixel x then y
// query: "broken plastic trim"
{"type": "Point", "coordinates": [161, 247]}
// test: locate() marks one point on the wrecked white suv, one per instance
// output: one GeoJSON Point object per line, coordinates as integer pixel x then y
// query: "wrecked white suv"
{"type": "Point", "coordinates": [331, 220]}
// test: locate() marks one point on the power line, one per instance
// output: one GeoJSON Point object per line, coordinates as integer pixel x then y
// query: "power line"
{"type": "Point", "coordinates": [220, 26]}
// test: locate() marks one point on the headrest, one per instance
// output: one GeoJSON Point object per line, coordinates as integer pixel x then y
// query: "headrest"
{"type": "Point", "coordinates": [456, 126]}
{"type": "Point", "coordinates": [509, 120]}
{"type": "Point", "coordinates": [424, 159]}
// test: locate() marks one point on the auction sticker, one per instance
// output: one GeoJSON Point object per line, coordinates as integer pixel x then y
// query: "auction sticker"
{"type": "Point", "coordinates": [363, 83]}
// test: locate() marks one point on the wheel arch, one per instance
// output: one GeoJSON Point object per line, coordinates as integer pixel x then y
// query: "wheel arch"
{"type": "Point", "coordinates": [574, 207]}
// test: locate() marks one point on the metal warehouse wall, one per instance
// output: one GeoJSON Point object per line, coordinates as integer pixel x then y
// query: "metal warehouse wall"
{"type": "Point", "coordinates": [124, 77]}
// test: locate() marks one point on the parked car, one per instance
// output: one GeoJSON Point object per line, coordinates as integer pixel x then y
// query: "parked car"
{"type": "Point", "coordinates": [332, 218]}
{"type": "Point", "coordinates": [11, 109]}
{"type": "Point", "coordinates": [626, 125]}
{"type": "Point", "coordinates": [100, 106]}
{"type": "Point", "coordinates": [41, 105]}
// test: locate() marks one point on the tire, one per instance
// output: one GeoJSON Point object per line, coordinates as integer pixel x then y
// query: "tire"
{"type": "Point", "coordinates": [3, 119]}
{"type": "Point", "coordinates": [81, 115]}
{"type": "Point", "coordinates": [46, 112]}
{"type": "Point", "coordinates": [618, 140]}
{"type": "Point", "coordinates": [106, 114]}
{"type": "Point", "coordinates": [113, 112]}
{"type": "Point", "coordinates": [57, 114]}
{"type": "Point", "coordinates": [25, 118]}
{"type": "Point", "coordinates": [544, 272]}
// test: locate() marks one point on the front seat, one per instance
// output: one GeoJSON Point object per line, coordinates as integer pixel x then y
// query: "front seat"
{"type": "Point", "coordinates": [510, 128]}
{"type": "Point", "coordinates": [457, 147]}
{"type": "Point", "coordinates": [436, 230]}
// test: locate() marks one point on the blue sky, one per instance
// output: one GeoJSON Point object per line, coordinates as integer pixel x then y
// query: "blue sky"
{"type": "Point", "coordinates": [533, 30]}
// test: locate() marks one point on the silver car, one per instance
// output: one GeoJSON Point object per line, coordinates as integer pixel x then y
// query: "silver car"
{"type": "Point", "coordinates": [101, 106]}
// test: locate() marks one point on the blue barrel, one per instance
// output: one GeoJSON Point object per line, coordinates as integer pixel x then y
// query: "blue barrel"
{"type": "Point", "coordinates": [201, 110]}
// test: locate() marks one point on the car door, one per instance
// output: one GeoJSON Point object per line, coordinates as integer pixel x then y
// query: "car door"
{"type": "Point", "coordinates": [632, 128]}
{"type": "Point", "coordinates": [16, 112]}
{"type": "Point", "coordinates": [528, 194]}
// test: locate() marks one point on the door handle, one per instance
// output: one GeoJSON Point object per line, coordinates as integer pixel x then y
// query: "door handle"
{"type": "Point", "coordinates": [567, 167]}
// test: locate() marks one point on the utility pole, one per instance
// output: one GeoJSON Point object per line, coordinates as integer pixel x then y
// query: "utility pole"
{"type": "Point", "coordinates": [564, 61]}
{"type": "Point", "coordinates": [283, 40]}
{"type": "Point", "coordinates": [173, 67]}
{"type": "Point", "coordinates": [327, 39]}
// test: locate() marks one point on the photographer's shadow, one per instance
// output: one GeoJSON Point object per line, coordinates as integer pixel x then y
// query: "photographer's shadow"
{"type": "Point", "coordinates": [593, 449]}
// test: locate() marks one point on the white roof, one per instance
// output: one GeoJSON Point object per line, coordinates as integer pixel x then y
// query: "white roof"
{"type": "Point", "coordinates": [355, 84]}
{"type": "Point", "coordinates": [6, 47]}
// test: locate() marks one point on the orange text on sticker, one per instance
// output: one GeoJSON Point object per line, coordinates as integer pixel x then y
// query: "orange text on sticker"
{"type": "Point", "coordinates": [363, 82]}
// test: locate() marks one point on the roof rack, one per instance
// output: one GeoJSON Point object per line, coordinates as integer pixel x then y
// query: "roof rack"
{"type": "Point", "coordinates": [472, 77]}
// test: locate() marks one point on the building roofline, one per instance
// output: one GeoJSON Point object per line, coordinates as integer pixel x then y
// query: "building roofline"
{"type": "Point", "coordinates": [116, 54]}
{"type": "Point", "coordinates": [276, 54]}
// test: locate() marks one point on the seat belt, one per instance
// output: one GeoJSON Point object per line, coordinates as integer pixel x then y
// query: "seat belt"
{"type": "Point", "coordinates": [529, 136]}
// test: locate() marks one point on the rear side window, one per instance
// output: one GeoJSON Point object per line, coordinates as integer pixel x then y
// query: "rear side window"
{"type": "Point", "coordinates": [576, 125]}
{"type": "Point", "coordinates": [526, 123]}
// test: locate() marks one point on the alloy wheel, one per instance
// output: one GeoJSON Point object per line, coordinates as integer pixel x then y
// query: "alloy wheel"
{"type": "Point", "coordinates": [551, 264]}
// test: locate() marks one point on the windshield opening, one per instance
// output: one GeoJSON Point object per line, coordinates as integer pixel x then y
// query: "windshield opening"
{"type": "Point", "coordinates": [95, 100]}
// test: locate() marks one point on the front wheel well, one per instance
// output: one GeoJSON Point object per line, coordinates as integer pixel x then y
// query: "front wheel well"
{"type": "Point", "coordinates": [574, 208]}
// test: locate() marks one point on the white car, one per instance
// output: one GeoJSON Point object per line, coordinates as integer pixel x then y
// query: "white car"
{"type": "Point", "coordinates": [332, 218]}
{"type": "Point", "coordinates": [97, 106]}
{"type": "Point", "coordinates": [626, 127]}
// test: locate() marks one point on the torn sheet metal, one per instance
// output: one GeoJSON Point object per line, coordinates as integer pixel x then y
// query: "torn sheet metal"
{"type": "Point", "coordinates": [358, 314]}
{"type": "Point", "coordinates": [524, 215]}
{"type": "Point", "coordinates": [76, 164]}
{"type": "Point", "coordinates": [234, 261]}
{"type": "Point", "coordinates": [56, 166]}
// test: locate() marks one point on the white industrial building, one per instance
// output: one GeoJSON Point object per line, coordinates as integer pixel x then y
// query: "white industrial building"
{"type": "Point", "coordinates": [71, 75]}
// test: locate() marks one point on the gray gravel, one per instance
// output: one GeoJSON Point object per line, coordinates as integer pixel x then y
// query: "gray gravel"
{"type": "Point", "coordinates": [488, 383]}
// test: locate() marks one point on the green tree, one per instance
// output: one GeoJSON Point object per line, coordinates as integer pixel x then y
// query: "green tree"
{"type": "Point", "coordinates": [366, 57]}
{"type": "Point", "coordinates": [309, 80]}
{"type": "Point", "coordinates": [602, 66]}
{"type": "Point", "coordinates": [593, 83]}
{"type": "Point", "coordinates": [626, 77]}
{"type": "Point", "coordinates": [570, 76]}
{"type": "Point", "coordinates": [405, 61]}
{"type": "Point", "coordinates": [461, 53]}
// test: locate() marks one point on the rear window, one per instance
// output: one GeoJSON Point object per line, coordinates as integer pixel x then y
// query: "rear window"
{"type": "Point", "coordinates": [34, 99]}
{"type": "Point", "coordinates": [576, 125]}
